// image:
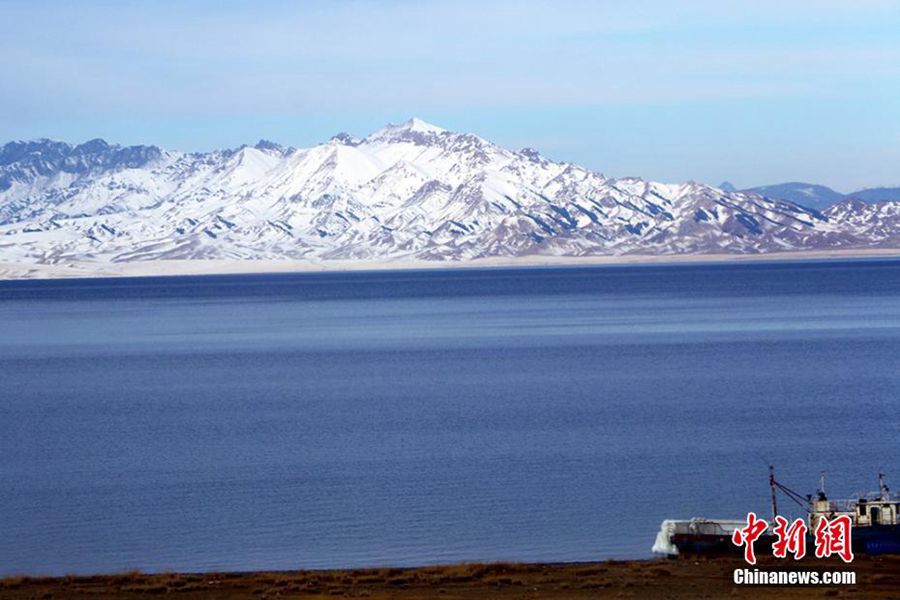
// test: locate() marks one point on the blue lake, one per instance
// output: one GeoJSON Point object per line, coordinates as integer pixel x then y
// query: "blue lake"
{"type": "Point", "coordinates": [324, 420]}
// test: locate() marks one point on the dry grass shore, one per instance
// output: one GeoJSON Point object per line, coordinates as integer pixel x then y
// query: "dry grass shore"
{"type": "Point", "coordinates": [877, 577]}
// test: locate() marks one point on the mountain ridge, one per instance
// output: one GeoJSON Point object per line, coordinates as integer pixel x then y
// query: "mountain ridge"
{"type": "Point", "coordinates": [409, 191]}
{"type": "Point", "coordinates": [820, 197]}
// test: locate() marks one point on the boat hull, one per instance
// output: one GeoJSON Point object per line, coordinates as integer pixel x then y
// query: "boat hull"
{"type": "Point", "coordinates": [871, 540]}
{"type": "Point", "coordinates": [876, 539]}
{"type": "Point", "coordinates": [695, 543]}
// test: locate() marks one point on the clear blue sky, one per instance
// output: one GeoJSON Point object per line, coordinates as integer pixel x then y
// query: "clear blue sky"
{"type": "Point", "coordinates": [754, 92]}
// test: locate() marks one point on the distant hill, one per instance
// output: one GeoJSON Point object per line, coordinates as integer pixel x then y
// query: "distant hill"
{"type": "Point", "coordinates": [809, 195]}
{"type": "Point", "coordinates": [820, 197]}
{"type": "Point", "coordinates": [727, 186]}
{"type": "Point", "coordinates": [876, 194]}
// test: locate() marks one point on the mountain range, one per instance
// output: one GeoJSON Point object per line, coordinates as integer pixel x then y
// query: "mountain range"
{"type": "Point", "coordinates": [412, 191]}
{"type": "Point", "coordinates": [817, 196]}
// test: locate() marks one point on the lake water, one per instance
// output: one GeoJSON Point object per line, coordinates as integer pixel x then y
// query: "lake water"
{"type": "Point", "coordinates": [324, 420]}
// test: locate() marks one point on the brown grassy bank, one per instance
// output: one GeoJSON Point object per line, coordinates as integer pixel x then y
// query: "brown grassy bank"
{"type": "Point", "coordinates": [684, 578]}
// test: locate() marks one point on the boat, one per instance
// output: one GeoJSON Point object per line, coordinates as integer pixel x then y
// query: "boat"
{"type": "Point", "coordinates": [875, 520]}
{"type": "Point", "coordinates": [700, 535]}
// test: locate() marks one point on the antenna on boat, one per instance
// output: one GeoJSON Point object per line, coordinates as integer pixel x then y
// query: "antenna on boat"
{"type": "Point", "coordinates": [772, 486]}
{"type": "Point", "coordinates": [882, 487]}
{"type": "Point", "coordinates": [822, 485]}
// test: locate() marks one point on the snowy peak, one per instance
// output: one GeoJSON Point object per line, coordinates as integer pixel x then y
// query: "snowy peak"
{"type": "Point", "coordinates": [271, 147]}
{"type": "Point", "coordinates": [414, 130]}
{"type": "Point", "coordinates": [344, 138]}
{"type": "Point", "coordinates": [532, 155]}
{"type": "Point", "coordinates": [24, 163]}
{"type": "Point", "coordinates": [417, 125]}
{"type": "Point", "coordinates": [21, 150]}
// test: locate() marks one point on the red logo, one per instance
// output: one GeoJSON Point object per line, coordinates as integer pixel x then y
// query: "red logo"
{"type": "Point", "coordinates": [789, 538]}
{"type": "Point", "coordinates": [745, 536]}
{"type": "Point", "coordinates": [831, 537]}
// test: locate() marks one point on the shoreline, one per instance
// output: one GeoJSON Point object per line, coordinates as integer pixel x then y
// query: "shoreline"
{"type": "Point", "coordinates": [877, 577]}
{"type": "Point", "coordinates": [11, 271]}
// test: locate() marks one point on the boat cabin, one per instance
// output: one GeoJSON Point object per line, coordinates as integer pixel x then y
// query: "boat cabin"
{"type": "Point", "coordinates": [879, 508]}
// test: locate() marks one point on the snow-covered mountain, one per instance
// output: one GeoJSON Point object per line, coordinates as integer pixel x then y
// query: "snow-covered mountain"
{"type": "Point", "coordinates": [408, 191]}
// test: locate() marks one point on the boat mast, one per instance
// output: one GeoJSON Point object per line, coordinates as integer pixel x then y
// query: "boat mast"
{"type": "Point", "coordinates": [772, 486]}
